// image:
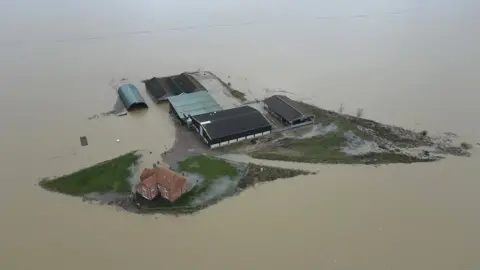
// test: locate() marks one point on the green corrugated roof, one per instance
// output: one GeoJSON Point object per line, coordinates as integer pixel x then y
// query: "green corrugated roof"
{"type": "Point", "coordinates": [194, 104]}
{"type": "Point", "coordinates": [130, 96]}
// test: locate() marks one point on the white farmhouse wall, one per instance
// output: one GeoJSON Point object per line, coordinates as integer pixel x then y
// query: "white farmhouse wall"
{"type": "Point", "coordinates": [257, 135]}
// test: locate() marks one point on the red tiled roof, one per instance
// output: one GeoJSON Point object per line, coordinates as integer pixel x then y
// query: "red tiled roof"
{"type": "Point", "coordinates": [146, 173]}
{"type": "Point", "coordinates": [169, 179]}
{"type": "Point", "coordinates": [173, 182]}
{"type": "Point", "coordinates": [149, 181]}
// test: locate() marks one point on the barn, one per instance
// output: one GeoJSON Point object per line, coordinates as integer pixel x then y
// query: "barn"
{"type": "Point", "coordinates": [186, 105]}
{"type": "Point", "coordinates": [130, 97]}
{"type": "Point", "coordinates": [225, 127]}
{"type": "Point", "coordinates": [289, 112]}
{"type": "Point", "coordinates": [156, 89]}
{"type": "Point", "coordinates": [162, 88]}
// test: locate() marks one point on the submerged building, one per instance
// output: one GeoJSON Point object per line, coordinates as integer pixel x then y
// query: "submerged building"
{"type": "Point", "coordinates": [225, 127]}
{"type": "Point", "coordinates": [185, 106]}
{"type": "Point", "coordinates": [130, 97]}
{"type": "Point", "coordinates": [289, 112]}
{"type": "Point", "coordinates": [184, 83]}
{"type": "Point", "coordinates": [156, 89]}
{"type": "Point", "coordinates": [162, 88]}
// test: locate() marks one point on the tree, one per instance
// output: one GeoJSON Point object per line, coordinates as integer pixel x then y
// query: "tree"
{"type": "Point", "coordinates": [359, 112]}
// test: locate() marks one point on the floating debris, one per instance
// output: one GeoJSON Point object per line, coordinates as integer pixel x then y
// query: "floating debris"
{"type": "Point", "coordinates": [119, 109]}
{"type": "Point", "coordinates": [83, 141]}
{"type": "Point", "coordinates": [118, 140]}
{"type": "Point", "coordinates": [466, 146]}
{"type": "Point", "coordinates": [93, 117]}
{"type": "Point", "coordinates": [451, 134]}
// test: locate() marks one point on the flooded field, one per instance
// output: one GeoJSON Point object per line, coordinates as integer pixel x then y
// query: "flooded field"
{"type": "Point", "coordinates": [407, 63]}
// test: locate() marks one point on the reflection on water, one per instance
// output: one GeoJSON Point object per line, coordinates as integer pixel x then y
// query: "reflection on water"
{"type": "Point", "coordinates": [404, 62]}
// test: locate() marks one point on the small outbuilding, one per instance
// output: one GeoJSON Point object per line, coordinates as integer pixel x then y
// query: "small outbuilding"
{"type": "Point", "coordinates": [289, 112]}
{"type": "Point", "coordinates": [130, 97]}
{"type": "Point", "coordinates": [161, 181]}
{"type": "Point", "coordinates": [230, 126]}
{"type": "Point", "coordinates": [185, 106]}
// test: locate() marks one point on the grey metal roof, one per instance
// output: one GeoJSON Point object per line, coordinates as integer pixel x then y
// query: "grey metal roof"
{"type": "Point", "coordinates": [194, 104]}
{"type": "Point", "coordinates": [130, 96]}
{"type": "Point", "coordinates": [288, 109]}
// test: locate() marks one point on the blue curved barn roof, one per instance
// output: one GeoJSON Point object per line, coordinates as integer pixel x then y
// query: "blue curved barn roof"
{"type": "Point", "coordinates": [130, 96]}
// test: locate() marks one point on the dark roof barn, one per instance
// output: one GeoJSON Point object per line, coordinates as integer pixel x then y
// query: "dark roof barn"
{"type": "Point", "coordinates": [156, 89]}
{"type": "Point", "coordinates": [232, 123]}
{"type": "Point", "coordinates": [286, 108]}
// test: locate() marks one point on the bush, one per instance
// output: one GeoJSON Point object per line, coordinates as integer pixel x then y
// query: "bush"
{"type": "Point", "coordinates": [359, 113]}
{"type": "Point", "coordinates": [466, 146]}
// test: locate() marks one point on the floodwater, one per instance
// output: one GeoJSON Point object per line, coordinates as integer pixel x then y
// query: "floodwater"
{"type": "Point", "coordinates": [406, 62]}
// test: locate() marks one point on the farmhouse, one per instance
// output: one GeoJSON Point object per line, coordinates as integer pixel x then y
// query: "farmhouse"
{"type": "Point", "coordinates": [130, 97]}
{"type": "Point", "coordinates": [186, 105]}
{"type": "Point", "coordinates": [288, 111]}
{"type": "Point", "coordinates": [161, 181]}
{"type": "Point", "coordinates": [225, 127]}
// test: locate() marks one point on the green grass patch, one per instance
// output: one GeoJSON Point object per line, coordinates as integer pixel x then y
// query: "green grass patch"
{"type": "Point", "coordinates": [402, 138]}
{"type": "Point", "coordinates": [108, 176]}
{"type": "Point", "coordinates": [321, 149]}
{"type": "Point", "coordinates": [329, 149]}
{"type": "Point", "coordinates": [343, 122]}
{"type": "Point", "coordinates": [209, 168]}
{"type": "Point", "coordinates": [260, 173]}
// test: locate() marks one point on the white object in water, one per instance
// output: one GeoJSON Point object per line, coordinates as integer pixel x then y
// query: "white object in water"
{"type": "Point", "coordinates": [118, 140]}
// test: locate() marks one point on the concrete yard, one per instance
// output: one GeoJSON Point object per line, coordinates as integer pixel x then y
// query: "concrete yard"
{"type": "Point", "coordinates": [217, 89]}
{"type": "Point", "coordinates": [187, 143]}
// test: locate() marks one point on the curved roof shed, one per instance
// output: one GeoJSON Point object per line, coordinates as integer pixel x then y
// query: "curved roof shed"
{"type": "Point", "coordinates": [130, 97]}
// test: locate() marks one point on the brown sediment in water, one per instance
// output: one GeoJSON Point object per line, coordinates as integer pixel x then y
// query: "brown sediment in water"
{"type": "Point", "coordinates": [287, 145]}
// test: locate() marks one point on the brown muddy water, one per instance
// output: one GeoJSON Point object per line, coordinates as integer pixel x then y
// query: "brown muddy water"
{"type": "Point", "coordinates": [409, 63]}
